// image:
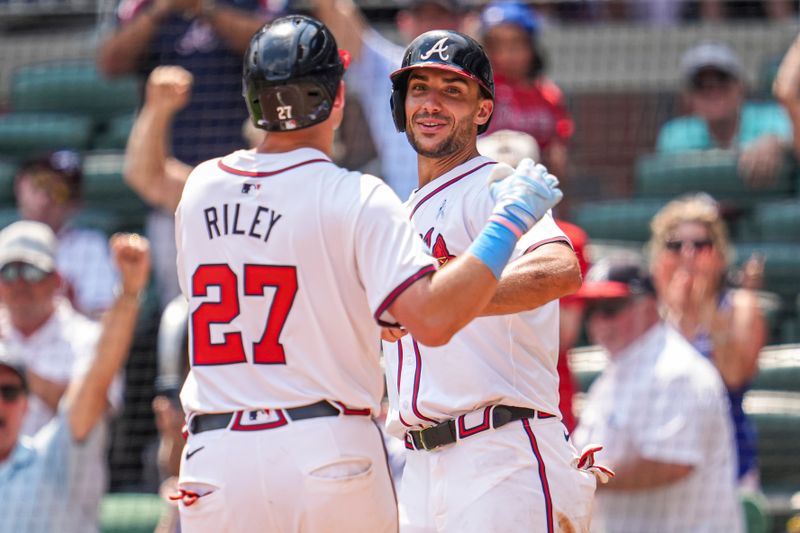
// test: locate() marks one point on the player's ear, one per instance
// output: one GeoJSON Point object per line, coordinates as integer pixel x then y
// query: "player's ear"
{"type": "Point", "coordinates": [485, 108]}
{"type": "Point", "coordinates": [338, 101]}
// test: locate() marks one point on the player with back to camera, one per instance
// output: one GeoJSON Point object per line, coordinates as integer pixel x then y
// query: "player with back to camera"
{"type": "Point", "coordinates": [486, 448]}
{"type": "Point", "coordinates": [290, 265]}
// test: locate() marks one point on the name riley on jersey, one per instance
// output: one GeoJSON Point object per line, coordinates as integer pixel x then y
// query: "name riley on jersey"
{"type": "Point", "coordinates": [235, 219]}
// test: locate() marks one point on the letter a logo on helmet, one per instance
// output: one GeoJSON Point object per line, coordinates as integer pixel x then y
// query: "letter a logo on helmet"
{"type": "Point", "coordinates": [446, 50]}
{"type": "Point", "coordinates": [438, 48]}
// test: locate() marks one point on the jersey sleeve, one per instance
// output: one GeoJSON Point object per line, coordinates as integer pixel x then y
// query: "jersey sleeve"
{"type": "Point", "coordinates": [389, 254]}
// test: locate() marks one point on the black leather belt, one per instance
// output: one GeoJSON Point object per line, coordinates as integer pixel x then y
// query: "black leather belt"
{"type": "Point", "coordinates": [445, 433]}
{"type": "Point", "coordinates": [209, 422]}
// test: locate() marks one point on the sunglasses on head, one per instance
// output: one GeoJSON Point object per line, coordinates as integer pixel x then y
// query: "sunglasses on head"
{"type": "Point", "coordinates": [698, 245]}
{"type": "Point", "coordinates": [15, 271]}
{"type": "Point", "coordinates": [607, 308]}
{"type": "Point", "coordinates": [10, 393]}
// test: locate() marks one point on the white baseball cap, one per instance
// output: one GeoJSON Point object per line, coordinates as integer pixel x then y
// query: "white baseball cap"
{"type": "Point", "coordinates": [710, 54]}
{"type": "Point", "coordinates": [509, 147]}
{"type": "Point", "coordinates": [28, 242]}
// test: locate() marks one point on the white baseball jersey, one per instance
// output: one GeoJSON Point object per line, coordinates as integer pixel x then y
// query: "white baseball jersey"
{"type": "Point", "coordinates": [288, 262]}
{"type": "Point", "coordinates": [661, 400]}
{"type": "Point", "coordinates": [509, 359]}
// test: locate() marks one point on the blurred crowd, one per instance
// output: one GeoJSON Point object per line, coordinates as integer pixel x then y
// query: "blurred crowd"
{"type": "Point", "coordinates": [681, 328]}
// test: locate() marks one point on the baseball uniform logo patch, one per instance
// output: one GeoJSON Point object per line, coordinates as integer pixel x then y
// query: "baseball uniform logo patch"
{"type": "Point", "coordinates": [439, 48]}
{"type": "Point", "coordinates": [439, 249]}
{"type": "Point", "coordinates": [247, 187]}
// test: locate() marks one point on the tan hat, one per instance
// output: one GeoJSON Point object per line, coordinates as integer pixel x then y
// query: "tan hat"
{"type": "Point", "coordinates": [28, 242]}
{"type": "Point", "coordinates": [509, 147]}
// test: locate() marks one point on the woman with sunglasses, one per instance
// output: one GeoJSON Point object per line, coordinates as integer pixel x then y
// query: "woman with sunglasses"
{"type": "Point", "coordinates": [690, 255]}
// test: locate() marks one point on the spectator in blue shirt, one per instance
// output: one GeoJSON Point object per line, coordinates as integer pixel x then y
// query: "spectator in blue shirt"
{"type": "Point", "coordinates": [720, 117]}
{"type": "Point", "coordinates": [45, 481]}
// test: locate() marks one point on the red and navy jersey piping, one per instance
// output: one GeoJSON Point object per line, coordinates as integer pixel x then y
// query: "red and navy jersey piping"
{"type": "Point", "coordinates": [447, 184]}
{"type": "Point", "coordinates": [389, 300]}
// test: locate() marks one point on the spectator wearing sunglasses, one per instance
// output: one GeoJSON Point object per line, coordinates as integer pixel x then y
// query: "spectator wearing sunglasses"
{"type": "Point", "coordinates": [721, 118]}
{"type": "Point", "coordinates": [49, 482]}
{"type": "Point", "coordinates": [659, 408]}
{"type": "Point", "coordinates": [54, 340]}
{"type": "Point", "coordinates": [690, 255]}
{"type": "Point", "coordinates": [48, 190]}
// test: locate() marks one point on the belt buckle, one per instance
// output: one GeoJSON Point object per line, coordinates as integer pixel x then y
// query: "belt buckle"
{"type": "Point", "coordinates": [421, 435]}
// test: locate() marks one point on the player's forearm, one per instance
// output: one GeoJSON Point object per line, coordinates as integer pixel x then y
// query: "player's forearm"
{"type": "Point", "coordinates": [641, 474]}
{"type": "Point", "coordinates": [148, 170]}
{"type": "Point", "coordinates": [234, 26]}
{"type": "Point", "coordinates": [122, 50]}
{"type": "Point", "coordinates": [436, 307]}
{"type": "Point", "coordinates": [540, 276]}
{"type": "Point", "coordinates": [346, 22]}
{"type": "Point", "coordinates": [86, 396]}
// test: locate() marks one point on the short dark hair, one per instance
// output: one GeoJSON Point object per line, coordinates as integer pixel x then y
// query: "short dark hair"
{"type": "Point", "coordinates": [66, 163]}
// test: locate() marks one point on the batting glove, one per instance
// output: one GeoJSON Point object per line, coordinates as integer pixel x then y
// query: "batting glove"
{"type": "Point", "coordinates": [523, 195]}
{"type": "Point", "coordinates": [587, 463]}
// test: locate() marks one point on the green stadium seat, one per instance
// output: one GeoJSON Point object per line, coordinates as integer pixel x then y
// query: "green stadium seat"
{"type": "Point", "coordinates": [130, 512]}
{"type": "Point", "coordinates": [23, 135]}
{"type": "Point", "coordinates": [777, 419]}
{"type": "Point", "coordinates": [756, 518]}
{"type": "Point", "coordinates": [777, 221]}
{"type": "Point", "coordinates": [766, 76]}
{"type": "Point", "coordinates": [619, 220]}
{"type": "Point", "coordinates": [7, 172]}
{"type": "Point", "coordinates": [73, 87]}
{"type": "Point", "coordinates": [115, 135]}
{"type": "Point", "coordinates": [105, 190]}
{"type": "Point", "coordinates": [781, 269]}
{"type": "Point", "coordinates": [8, 215]}
{"type": "Point", "coordinates": [586, 363]}
{"type": "Point", "coordinates": [711, 171]}
{"type": "Point", "coordinates": [778, 369]}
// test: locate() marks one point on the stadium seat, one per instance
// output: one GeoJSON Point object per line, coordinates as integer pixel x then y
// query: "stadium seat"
{"type": "Point", "coordinates": [105, 190]}
{"type": "Point", "coordinates": [711, 171]}
{"type": "Point", "coordinates": [778, 369]}
{"type": "Point", "coordinates": [586, 363]}
{"type": "Point", "coordinates": [777, 221]}
{"type": "Point", "coordinates": [619, 220]}
{"type": "Point", "coordinates": [7, 172]}
{"type": "Point", "coordinates": [115, 134]}
{"type": "Point", "coordinates": [73, 87]}
{"type": "Point", "coordinates": [23, 135]}
{"type": "Point", "coordinates": [777, 419]}
{"type": "Point", "coordinates": [130, 512]}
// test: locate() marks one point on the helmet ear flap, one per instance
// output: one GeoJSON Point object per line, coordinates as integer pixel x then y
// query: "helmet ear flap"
{"type": "Point", "coordinates": [398, 105]}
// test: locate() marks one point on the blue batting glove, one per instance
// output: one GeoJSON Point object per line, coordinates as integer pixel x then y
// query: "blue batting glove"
{"type": "Point", "coordinates": [522, 195]}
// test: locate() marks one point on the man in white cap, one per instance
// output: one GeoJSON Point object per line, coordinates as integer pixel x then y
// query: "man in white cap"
{"type": "Point", "coordinates": [714, 83]}
{"type": "Point", "coordinates": [49, 482]}
{"type": "Point", "coordinates": [52, 337]}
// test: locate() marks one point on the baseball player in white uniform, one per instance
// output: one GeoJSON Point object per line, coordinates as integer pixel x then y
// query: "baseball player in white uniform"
{"type": "Point", "coordinates": [290, 264]}
{"type": "Point", "coordinates": [486, 448]}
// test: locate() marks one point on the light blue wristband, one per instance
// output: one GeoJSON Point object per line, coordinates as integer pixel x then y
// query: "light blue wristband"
{"type": "Point", "coordinates": [494, 246]}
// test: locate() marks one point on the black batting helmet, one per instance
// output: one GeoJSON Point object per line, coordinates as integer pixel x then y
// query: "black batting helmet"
{"type": "Point", "coordinates": [292, 71]}
{"type": "Point", "coordinates": [447, 50]}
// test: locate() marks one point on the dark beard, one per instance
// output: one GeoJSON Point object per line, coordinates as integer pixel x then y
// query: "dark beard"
{"type": "Point", "coordinates": [456, 141]}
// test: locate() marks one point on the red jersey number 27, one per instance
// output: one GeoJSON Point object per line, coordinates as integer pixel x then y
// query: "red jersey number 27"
{"type": "Point", "coordinates": [268, 350]}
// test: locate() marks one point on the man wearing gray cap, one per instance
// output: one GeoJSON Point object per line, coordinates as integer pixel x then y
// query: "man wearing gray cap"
{"type": "Point", "coordinates": [48, 481]}
{"type": "Point", "coordinates": [720, 116]}
{"type": "Point", "coordinates": [55, 341]}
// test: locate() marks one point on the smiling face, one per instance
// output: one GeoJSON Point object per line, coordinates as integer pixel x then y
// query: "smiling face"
{"type": "Point", "coordinates": [11, 412]}
{"type": "Point", "coordinates": [443, 112]}
{"type": "Point", "coordinates": [689, 247]}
